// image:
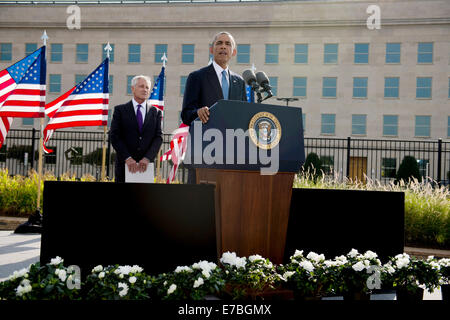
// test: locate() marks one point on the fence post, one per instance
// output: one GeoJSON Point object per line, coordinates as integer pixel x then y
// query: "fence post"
{"type": "Point", "coordinates": [33, 157]}
{"type": "Point", "coordinates": [439, 162]}
{"type": "Point", "coordinates": [348, 157]}
{"type": "Point", "coordinates": [108, 156]}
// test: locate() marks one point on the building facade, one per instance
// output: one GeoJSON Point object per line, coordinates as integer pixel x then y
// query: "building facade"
{"type": "Point", "coordinates": [350, 79]}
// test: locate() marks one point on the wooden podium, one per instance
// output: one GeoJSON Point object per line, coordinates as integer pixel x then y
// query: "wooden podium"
{"type": "Point", "coordinates": [251, 209]}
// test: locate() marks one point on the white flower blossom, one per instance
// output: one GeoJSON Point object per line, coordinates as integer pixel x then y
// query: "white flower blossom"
{"type": "Point", "coordinates": [123, 270]}
{"type": "Point", "coordinates": [62, 274]}
{"type": "Point", "coordinates": [297, 253]}
{"type": "Point", "coordinates": [23, 288]}
{"type": "Point", "coordinates": [255, 257]}
{"type": "Point", "coordinates": [183, 268]}
{"type": "Point", "coordinates": [132, 280]}
{"type": "Point", "coordinates": [18, 274]}
{"type": "Point", "coordinates": [136, 269]}
{"type": "Point", "coordinates": [198, 282]}
{"type": "Point", "coordinates": [101, 275]}
{"type": "Point", "coordinates": [353, 253]}
{"type": "Point", "coordinates": [124, 290]}
{"type": "Point", "coordinates": [206, 274]}
{"type": "Point", "coordinates": [359, 266]}
{"type": "Point", "coordinates": [56, 261]}
{"type": "Point", "coordinates": [315, 257]}
{"type": "Point", "coordinates": [307, 265]}
{"type": "Point", "coordinates": [231, 259]}
{"type": "Point", "coordinates": [370, 255]}
{"type": "Point", "coordinates": [287, 275]}
{"type": "Point", "coordinates": [171, 289]}
{"type": "Point", "coordinates": [97, 269]}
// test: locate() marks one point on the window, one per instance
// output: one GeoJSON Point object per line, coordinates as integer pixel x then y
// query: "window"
{"type": "Point", "coordinates": [182, 84]}
{"type": "Point", "coordinates": [299, 87]}
{"type": "Point", "coordinates": [82, 52]}
{"type": "Point", "coordinates": [111, 53]}
{"type": "Point", "coordinates": [330, 53]}
{"type": "Point", "coordinates": [391, 85]}
{"type": "Point", "coordinates": [271, 53]}
{"type": "Point", "coordinates": [129, 92]}
{"type": "Point", "coordinates": [423, 87]}
{"type": "Point", "coordinates": [28, 121]}
{"type": "Point", "coordinates": [425, 52]}
{"type": "Point", "coordinates": [388, 168]}
{"type": "Point", "coordinates": [134, 53]}
{"type": "Point", "coordinates": [328, 124]}
{"type": "Point", "coordinates": [243, 53]}
{"type": "Point", "coordinates": [187, 53]}
{"type": "Point", "coordinates": [110, 84]}
{"type": "Point", "coordinates": [393, 52]}
{"type": "Point", "coordinates": [359, 123]}
{"type": "Point", "coordinates": [55, 83]}
{"type": "Point", "coordinates": [361, 53]}
{"type": "Point", "coordinates": [5, 51]}
{"type": "Point", "coordinates": [273, 81]}
{"type": "Point", "coordinates": [360, 87]}
{"type": "Point", "coordinates": [160, 49]}
{"type": "Point", "coordinates": [390, 125]}
{"type": "Point", "coordinates": [56, 52]}
{"type": "Point", "coordinates": [329, 87]}
{"type": "Point", "coordinates": [423, 126]}
{"type": "Point", "coordinates": [79, 78]}
{"type": "Point", "coordinates": [30, 48]}
{"type": "Point", "coordinates": [301, 53]}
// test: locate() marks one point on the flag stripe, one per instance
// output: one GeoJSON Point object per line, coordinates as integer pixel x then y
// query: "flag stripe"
{"type": "Point", "coordinates": [72, 113]}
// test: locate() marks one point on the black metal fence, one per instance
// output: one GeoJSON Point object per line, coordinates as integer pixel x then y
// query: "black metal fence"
{"type": "Point", "coordinates": [80, 153]}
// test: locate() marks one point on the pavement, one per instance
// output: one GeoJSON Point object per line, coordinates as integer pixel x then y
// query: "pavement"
{"type": "Point", "coordinates": [18, 251]}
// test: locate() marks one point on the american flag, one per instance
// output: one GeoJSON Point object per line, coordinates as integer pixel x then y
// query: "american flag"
{"type": "Point", "coordinates": [84, 105]}
{"type": "Point", "coordinates": [157, 96]}
{"type": "Point", "coordinates": [177, 150]}
{"type": "Point", "coordinates": [22, 90]}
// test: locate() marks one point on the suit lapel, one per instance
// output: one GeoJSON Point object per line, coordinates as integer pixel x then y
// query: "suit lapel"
{"type": "Point", "coordinates": [212, 78]}
{"type": "Point", "coordinates": [150, 114]}
{"type": "Point", "coordinates": [233, 85]}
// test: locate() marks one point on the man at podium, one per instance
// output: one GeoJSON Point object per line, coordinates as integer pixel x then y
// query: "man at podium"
{"type": "Point", "coordinates": [206, 86]}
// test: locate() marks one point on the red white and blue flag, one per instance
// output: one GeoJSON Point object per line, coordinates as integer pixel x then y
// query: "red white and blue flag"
{"type": "Point", "coordinates": [157, 96]}
{"type": "Point", "coordinates": [22, 90]}
{"type": "Point", "coordinates": [84, 105]}
{"type": "Point", "coordinates": [250, 93]}
{"type": "Point", "coordinates": [177, 151]}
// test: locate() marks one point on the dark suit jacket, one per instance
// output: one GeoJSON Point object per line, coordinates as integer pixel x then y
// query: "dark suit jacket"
{"type": "Point", "coordinates": [129, 142]}
{"type": "Point", "coordinates": [203, 89]}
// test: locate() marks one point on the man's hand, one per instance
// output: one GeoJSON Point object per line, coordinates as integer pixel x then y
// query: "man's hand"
{"type": "Point", "coordinates": [143, 164]}
{"type": "Point", "coordinates": [203, 114]}
{"type": "Point", "coordinates": [132, 165]}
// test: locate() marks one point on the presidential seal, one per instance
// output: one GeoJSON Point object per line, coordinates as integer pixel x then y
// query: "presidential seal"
{"type": "Point", "coordinates": [265, 130]}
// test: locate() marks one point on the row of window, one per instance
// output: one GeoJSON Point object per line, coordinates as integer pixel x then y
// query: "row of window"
{"type": "Point", "coordinates": [422, 125]}
{"type": "Point", "coordinates": [329, 86]}
{"type": "Point", "coordinates": [301, 53]}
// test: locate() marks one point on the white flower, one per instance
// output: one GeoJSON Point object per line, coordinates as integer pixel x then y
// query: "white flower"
{"type": "Point", "coordinates": [315, 257]}
{"type": "Point", "coordinates": [171, 289]}
{"type": "Point", "coordinates": [62, 274]}
{"type": "Point", "coordinates": [359, 266]}
{"type": "Point", "coordinates": [136, 269]}
{"type": "Point", "coordinates": [370, 255]}
{"type": "Point", "coordinates": [206, 274]}
{"type": "Point", "coordinates": [183, 268]}
{"type": "Point", "coordinates": [231, 259]}
{"type": "Point", "coordinates": [101, 275]}
{"type": "Point", "coordinates": [341, 260]}
{"type": "Point", "coordinates": [307, 265]}
{"type": "Point", "coordinates": [330, 263]}
{"type": "Point", "coordinates": [123, 270]}
{"type": "Point", "coordinates": [255, 258]}
{"type": "Point", "coordinates": [23, 288]}
{"type": "Point", "coordinates": [17, 274]}
{"type": "Point", "coordinates": [97, 269]}
{"type": "Point", "coordinates": [288, 274]}
{"type": "Point", "coordinates": [124, 290]}
{"type": "Point", "coordinates": [198, 282]}
{"type": "Point", "coordinates": [389, 269]}
{"type": "Point", "coordinates": [297, 253]}
{"type": "Point", "coordinates": [56, 261]}
{"type": "Point", "coordinates": [353, 253]}
{"type": "Point", "coordinates": [402, 262]}
{"type": "Point", "coordinates": [132, 280]}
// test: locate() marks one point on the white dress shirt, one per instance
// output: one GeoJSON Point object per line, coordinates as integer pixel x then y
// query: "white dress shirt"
{"type": "Point", "coordinates": [219, 70]}
{"type": "Point", "coordinates": [143, 110]}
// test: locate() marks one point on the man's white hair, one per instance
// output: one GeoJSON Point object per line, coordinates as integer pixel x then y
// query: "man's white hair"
{"type": "Point", "coordinates": [136, 78]}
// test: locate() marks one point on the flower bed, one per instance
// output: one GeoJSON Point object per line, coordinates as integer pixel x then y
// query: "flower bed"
{"type": "Point", "coordinates": [239, 278]}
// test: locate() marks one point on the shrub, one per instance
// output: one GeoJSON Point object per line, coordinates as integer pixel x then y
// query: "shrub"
{"type": "Point", "coordinates": [408, 170]}
{"type": "Point", "coordinates": [313, 166]}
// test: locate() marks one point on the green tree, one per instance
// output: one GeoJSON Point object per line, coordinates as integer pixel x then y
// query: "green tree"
{"type": "Point", "coordinates": [408, 169]}
{"type": "Point", "coordinates": [312, 166]}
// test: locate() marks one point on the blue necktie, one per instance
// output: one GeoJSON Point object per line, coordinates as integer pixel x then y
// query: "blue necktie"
{"type": "Point", "coordinates": [225, 85]}
{"type": "Point", "coordinates": [139, 117]}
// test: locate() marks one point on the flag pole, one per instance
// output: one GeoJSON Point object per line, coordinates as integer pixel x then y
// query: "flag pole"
{"type": "Point", "coordinates": [44, 39]}
{"type": "Point", "coordinates": [108, 50]}
{"type": "Point", "coordinates": [158, 157]}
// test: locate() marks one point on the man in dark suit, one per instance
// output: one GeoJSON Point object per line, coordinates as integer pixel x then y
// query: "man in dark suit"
{"type": "Point", "coordinates": [136, 133]}
{"type": "Point", "coordinates": [210, 84]}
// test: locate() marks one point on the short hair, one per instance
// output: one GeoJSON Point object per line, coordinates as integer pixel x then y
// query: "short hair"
{"type": "Point", "coordinates": [233, 42]}
{"type": "Point", "coordinates": [136, 78]}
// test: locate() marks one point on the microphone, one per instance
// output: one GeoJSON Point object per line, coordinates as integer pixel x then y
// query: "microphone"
{"type": "Point", "coordinates": [250, 79]}
{"type": "Point", "coordinates": [263, 81]}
